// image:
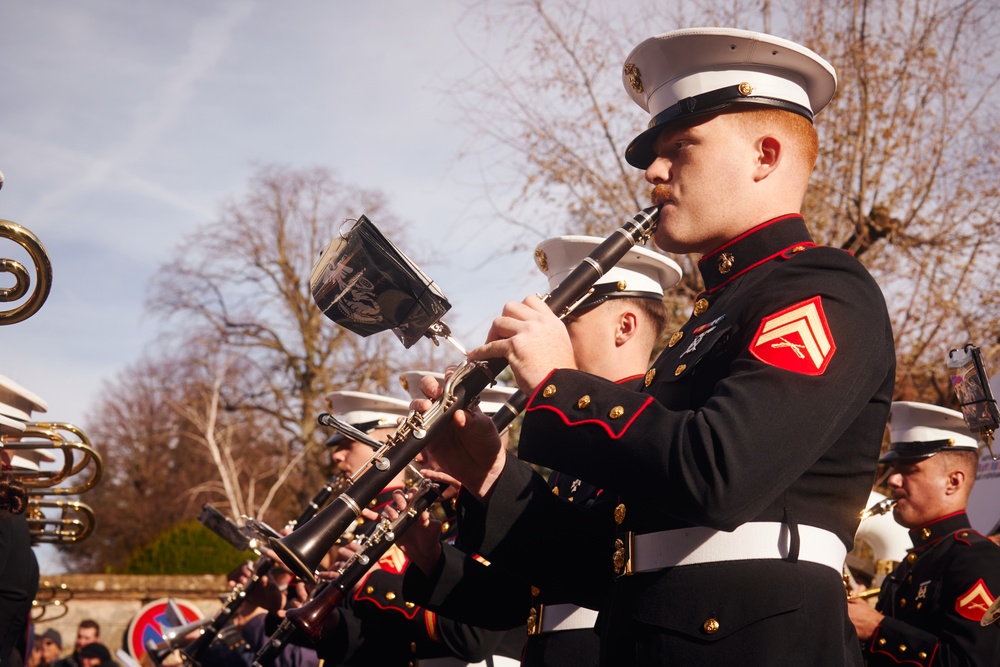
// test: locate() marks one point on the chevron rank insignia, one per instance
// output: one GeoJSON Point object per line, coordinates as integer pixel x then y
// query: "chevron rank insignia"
{"type": "Point", "coordinates": [797, 339]}
{"type": "Point", "coordinates": [973, 603]}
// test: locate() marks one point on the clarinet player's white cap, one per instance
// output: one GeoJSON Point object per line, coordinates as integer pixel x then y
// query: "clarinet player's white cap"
{"type": "Point", "coordinates": [642, 273]}
{"type": "Point", "coordinates": [364, 411]}
{"type": "Point", "coordinates": [686, 74]}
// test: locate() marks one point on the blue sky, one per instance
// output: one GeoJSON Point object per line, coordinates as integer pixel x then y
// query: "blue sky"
{"type": "Point", "coordinates": [124, 125]}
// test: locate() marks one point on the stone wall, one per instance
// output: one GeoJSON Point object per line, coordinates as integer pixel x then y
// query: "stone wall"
{"type": "Point", "coordinates": [114, 599]}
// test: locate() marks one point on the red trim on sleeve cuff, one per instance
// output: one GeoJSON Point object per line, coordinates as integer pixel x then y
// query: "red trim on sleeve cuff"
{"type": "Point", "coordinates": [597, 422]}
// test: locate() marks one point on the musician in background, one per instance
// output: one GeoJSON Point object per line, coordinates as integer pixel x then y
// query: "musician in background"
{"type": "Point", "coordinates": [734, 481]}
{"type": "Point", "coordinates": [18, 568]}
{"type": "Point", "coordinates": [929, 609]}
{"type": "Point", "coordinates": [376, 625]}
{"type": "Point", "coordinates": [613, 332]}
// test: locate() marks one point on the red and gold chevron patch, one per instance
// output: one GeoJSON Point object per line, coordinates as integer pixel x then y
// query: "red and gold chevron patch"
{"type": "Point", "coordinates": [797, 339]}
{"type": "Point", "coordinates": [974, 602]}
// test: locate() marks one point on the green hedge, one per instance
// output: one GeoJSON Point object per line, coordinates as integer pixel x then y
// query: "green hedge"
{"type": "Point", "coordinates": [188, 548]}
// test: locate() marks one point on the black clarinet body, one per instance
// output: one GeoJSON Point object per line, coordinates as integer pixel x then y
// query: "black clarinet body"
{"type": "Point", "coordinates": [193, 651]}
{"type": "Point", "coordinates": [311, 617]}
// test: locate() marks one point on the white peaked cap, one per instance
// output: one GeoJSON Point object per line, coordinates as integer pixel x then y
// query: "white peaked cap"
{"type": "Point", "coordinates": [372, 410]}
{"type": "Point", "coordinates": [920, 430]}
{"type": "Point", "coordinates": [685, 74]}
{"type": "Point", "coordinates": [18, 402]}
{"type": "Point", "coordinates": [10, 426]}
{"type": "Point", "coordinates": [29, 459]}
{"type": "Point", "coordinates": [491, 399]}
{"type": "Point", "coordinates": [641, 272]}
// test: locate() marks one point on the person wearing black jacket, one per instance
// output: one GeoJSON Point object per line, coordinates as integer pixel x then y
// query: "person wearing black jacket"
{"type": "Point", "coordinates": [613, 331]}
{"type": "Point", "coordinates": [929, 608]}
{"type": "Point", "coordinates": [734, 481]}
{"type": "Point", "coordinates": [18, 570]}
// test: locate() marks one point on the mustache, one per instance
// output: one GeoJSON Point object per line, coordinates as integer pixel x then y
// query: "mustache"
{"type": "Point", "coordinates": [660, 194]}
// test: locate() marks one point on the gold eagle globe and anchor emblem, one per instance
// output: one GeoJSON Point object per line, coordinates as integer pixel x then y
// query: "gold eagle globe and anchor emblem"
{"type": "Point", "coordinates": [634, 78]}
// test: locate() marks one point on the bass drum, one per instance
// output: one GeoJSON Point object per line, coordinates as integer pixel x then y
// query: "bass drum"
{"type": "Point", "coordinates": [879, 546]}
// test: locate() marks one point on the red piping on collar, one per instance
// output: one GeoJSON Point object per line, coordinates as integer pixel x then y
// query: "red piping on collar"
{"type": "Point", "coordinates": [752, 230]}
{"type": "Point", "coordinates": [806, 244]}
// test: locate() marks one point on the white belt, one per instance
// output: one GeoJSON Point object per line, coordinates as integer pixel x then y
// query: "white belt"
{"type": "Point", "coordinates": [556, 617]}
{"type": "Point", "coordinates": [751, 541]}
{"type": "Point", "coordinates": [498, 661]}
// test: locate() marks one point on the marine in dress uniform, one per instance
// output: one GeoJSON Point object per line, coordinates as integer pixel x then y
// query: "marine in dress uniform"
{"type": "Point", "coordinates": [379, 625]}
{"type": "Point", "coordinates": [18, 565]}
{"type": "Point", "coordinates": [560, 633]}
{"type": "Point", "coordinates": [733, 481]}
{"type": "Point", "coordinates": [933, 602]}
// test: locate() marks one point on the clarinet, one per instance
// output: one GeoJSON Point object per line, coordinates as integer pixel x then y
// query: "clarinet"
{"type": "Point", "coordinates": [302, 551]}
{"type": "Point", "coordinates": [311, 616]}
{"type": "Point", "coordinates": [193, 651]}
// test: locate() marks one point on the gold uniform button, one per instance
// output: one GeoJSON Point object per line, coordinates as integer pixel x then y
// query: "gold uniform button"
{"type": "Point", "coordinates": [902, 602]}
{"type": "Point", "coordinates": [922, 655]}
{"type": "Point", "coordinates": [676, 338]}
{"type": "Point", "coordinates": [622, 285]}
{"type": "Point", "coordinates": [650, 374]}
{"type": "Point", "coordinates": [549, 391]}
{"type": "Point", "coordinates": [902, 648]}
{"type": "Point", "coordinates": [911, 558]}
{"type": "Point", "coordinates": [881, 642]}
{"type": "Point", "coordinates": [445, 526]}
{"type": "Point", "coordinates": [680, 369]}
{"type": "Point", "coordinates": [616, 412]}
{"type": "Point", "coordinates": [583, 402]}
{"type": "Point", "coordinates": [410, 605]}
{"type": "Point", "coordinates": [369, 589]}
{"type": "Point", "coordinates": [925, 533]}
{"type": "Point", "coordinates": [963, 534]}
{"type": "Point", "coordinates": [797, 249]}
{"type": "Point", "coordinates": [700, 306]}
{"type": "Point", "coordinates": [390, 596]}
{"type": "Point", "coordinates": [620, 513]}
{"type": "Point", "coordinates": [745, 89]}
{"type": "Point", "coordinates": [711, 626]}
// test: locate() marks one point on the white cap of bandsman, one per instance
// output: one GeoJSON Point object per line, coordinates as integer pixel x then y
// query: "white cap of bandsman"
{"type": "Point", "coordinates": [920, 430]}
{"type": "Point", "coordinates": [491, 399]}
{"type": "Point", "coordinates": [17, 403]}
{"type": "Point", "coordinates": [687, 74]}
{"type": "Point", "coordinates": [365, 412]}
{"type": "Point", "coordinates": [16, 407]}
{"type": "Point", "coordinates": [642, 273]}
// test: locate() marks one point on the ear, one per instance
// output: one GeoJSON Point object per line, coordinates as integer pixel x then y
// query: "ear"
{"type": "Point", "coordinates": [769, 151]}
{"type": "Point", "coordinates": [954, 481]}
{"type": "Point", "coordinates": [628, 326]}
